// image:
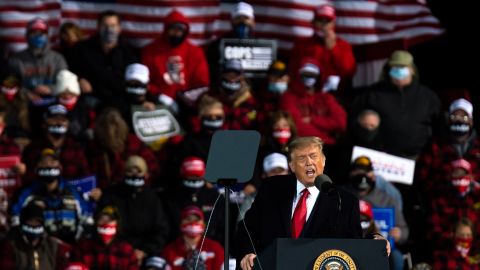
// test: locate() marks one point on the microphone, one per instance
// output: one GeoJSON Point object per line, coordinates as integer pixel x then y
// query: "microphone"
{"type": "Point", "coordinates": [324, 183]}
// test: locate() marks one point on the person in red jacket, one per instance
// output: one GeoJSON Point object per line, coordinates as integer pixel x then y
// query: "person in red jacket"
{"type": "Point", "coordinates": [334, 54]}
{"type": "Point", "coordinates": [314, 112]}
{"type": "Point", "coordinates": [183, 252]}
{"type": "Point", "coordinates": [178, 68]}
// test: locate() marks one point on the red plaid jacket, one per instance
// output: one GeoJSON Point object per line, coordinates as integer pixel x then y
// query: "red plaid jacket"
{"type": "Point", "coordinates": [94, 254]}
{"type": "Point", "coordinates": [72, 158]}
{"type": "Point", "coordinates": [448, 209]}
{"type": "Point", "coordinates": [242, 114]}
{"type": "Point", "coordinates": [433, 164]}
{"type": "Point", "coordinates": [452, 260]}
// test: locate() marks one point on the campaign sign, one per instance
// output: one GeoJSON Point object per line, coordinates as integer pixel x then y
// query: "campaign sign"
{"type": "Point", "coordinates": [392, 168]}
{"type": "Point", "coordinates": [256, 55]}
{"type": "Point", "coordinates": [8, 177]}
{"type": "Point", "coordinates": [84, 186]}
{"type": "Point", "coordinates": [385, 220]}
{"type": "Point", "coordinates": [151, 126]}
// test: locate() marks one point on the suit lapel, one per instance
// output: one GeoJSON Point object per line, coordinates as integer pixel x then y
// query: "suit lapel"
{"type": "Point", "coordinates": [320, 216]}
{"type": "Point", "coordinates": [286, 202]}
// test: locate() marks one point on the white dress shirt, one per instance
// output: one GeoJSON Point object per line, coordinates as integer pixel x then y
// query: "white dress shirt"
{"type": "Point", "coordinates": [311, 199]}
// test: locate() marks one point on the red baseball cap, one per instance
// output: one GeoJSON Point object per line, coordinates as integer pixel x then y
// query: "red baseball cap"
{"type": "Point", "coordinates": [192, 167]}
{"type": "Point", "coordinates": [462, 164]}
{"type": "Point", "coordinates": [325, 11]}
{"type": "Point", "coordinates": [366, 209]}
{"type": "Point", "coordinates": [191, 210]}
{"type": "Point", "coordinates": [37, 24]}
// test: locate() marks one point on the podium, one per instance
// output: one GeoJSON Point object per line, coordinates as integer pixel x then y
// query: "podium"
{"type": "Point", "coordinates": [324, 254]}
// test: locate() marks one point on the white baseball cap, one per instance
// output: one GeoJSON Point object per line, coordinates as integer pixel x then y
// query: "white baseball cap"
{"type": "Point", "coordinates": [462, 104]}
{"type": "Point", "coordinates": [244, 9]}
{"type": "Point", "coordinates": [137, 72]}
{"type": "Point", "coordinates": [66, 82]}
{"type": "Point", "coordinates": [275, 160]}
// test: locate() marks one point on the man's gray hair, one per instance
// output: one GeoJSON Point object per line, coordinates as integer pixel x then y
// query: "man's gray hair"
{"type": "Point", "coordinates": [302, 142]}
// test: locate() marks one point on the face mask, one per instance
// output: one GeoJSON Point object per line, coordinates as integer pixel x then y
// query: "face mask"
{"type": "Point", "coordinates": [362, 182]}
{"type": "Point", "coordinates": [192, 229]}
{"type": "Point", "coordinates": [136, 90]}
{"type": "Point", "coordinates": [282, 135]}
{"type": "Point", "coordinates": [231, 86]}
{"type": "Point", "coordinates": [32, 232]}
{"type": "Point", "coordinates": [462, 185]}
{"type": "Point", "coordinates": [211, 123]}
{"type": "Point", "coordinates": [107, 232]}
{"type": "Point", "coordinates": [175, 40]}
{"type": "Point", "coordinates": [9, 93]}
{"type": "Point", "coordinates": [278, 87]}
{"type": "Point", "coordinates": [463, 245]}
{"type": "Point", "coordinates": [241, 30]}
{"type": "Point", "coordinates": [366, 136]}
{"type": "Point", "coordinates": [399, 73]}
{"type": "Point", "coordinates": [365, 225]}
{"type": "Point", "coordinates": [108, 35]}
{"type": "Point", "coordinates": [320, 33]}
{"type": "Point", "coordinates": [308, 81]}
{"type": "Point", "coordinates": [48, 175]}
{"type": "Point", "coordinates": [69, 103]}
{"type": "Point", "coordinates": [138, 181]}
{"type": "Point", "coordinates": [57, 130]}
{"type": "Point", "coordinates": [196, 184]}
{"type": "Point", "coordinates": [38, 41]}
{"type": "Point", "coordinates": [459, 129]}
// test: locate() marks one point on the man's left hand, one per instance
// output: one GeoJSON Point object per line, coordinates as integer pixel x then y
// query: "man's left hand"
{"type": "Point", "coordinates": [380, 237]}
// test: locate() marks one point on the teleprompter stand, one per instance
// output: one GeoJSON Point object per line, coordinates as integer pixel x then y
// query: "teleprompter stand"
{"type": "Point", "coordinates": [231, 160]}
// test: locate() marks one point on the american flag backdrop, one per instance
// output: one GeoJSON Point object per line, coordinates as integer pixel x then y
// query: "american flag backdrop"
{"type": "Point", "coordinates": [361, 22]}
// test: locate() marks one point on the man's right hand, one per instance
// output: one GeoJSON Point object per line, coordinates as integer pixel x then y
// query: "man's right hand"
{"type": "Point", "coordinates": [247, 262]}
{"type": "Point", "coordinates": [85, 86]}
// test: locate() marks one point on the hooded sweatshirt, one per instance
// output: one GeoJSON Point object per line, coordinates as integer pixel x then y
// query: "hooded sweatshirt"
{"type": "Point", "coordinates": [175, 69]}
{"type": "Point", "coordinates": [326, 116]}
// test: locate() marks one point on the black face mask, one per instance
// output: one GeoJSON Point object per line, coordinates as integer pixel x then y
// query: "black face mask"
{"type": "Point", "coordinates": [242, 30]}
{"type": "Point", "coordinates": [459, 129]}
{"type": "Point", "coordinates": [48, 174]}
{"type": "Point", "coordinates": [175, 40]}
{"type": "Point", "coordinates": [57, 131]}
{"type": "Point", "coordinates": [32, 232]}
{"type": "Point", "coordinates": [362, 182]}
{"type": "Point", "coordinates": [212, 123]}
{"type": "Point", "coordinates": [364, 135]}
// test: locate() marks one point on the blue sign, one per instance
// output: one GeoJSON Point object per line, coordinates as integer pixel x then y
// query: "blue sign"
{"type": "Point", "coordinates": [385, 221]}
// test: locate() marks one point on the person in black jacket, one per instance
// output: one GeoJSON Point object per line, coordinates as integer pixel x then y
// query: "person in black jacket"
{"type": "Point", "coordinates": [409, 111]}
{"type": "Point", "coordinates": [290, 206]}
{"type": "Point", "coordinates": [101, 60]}
{"type": "Point", "coordinates": [144, 223]}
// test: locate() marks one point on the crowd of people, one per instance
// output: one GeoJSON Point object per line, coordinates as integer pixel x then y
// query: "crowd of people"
{"type": "Point", "coordinates": [65, 115]}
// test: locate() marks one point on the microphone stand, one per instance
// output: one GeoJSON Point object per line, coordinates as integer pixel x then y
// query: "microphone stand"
{"type": "Point", "coordinates": [226, 183]}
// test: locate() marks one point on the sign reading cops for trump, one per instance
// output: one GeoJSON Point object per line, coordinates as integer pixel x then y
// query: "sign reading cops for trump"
{"type": "Point", "coordinates": [256, 55]}
{"type": "Point", "coordinates": [151, 126]}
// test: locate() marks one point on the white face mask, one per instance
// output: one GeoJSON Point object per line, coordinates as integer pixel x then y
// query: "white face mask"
{"type": "Point", "coordinates": [193, 183]}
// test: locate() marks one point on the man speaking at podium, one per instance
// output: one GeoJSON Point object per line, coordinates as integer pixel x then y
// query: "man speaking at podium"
{"type": "Point", "coordinates": [290, 206]}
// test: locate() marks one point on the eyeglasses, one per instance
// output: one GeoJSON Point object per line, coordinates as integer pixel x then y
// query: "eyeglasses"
{"type": "Point", "coordinates": [462, 118]}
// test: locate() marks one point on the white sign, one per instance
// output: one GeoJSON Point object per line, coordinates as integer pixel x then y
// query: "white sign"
{"type": "Point", "coordinates": [392, 168]}
{"type": "Point", "coordinates": [151, 126]}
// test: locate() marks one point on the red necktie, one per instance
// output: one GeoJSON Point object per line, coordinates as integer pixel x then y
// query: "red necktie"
{"type": "Point", "coordinates": [300, 215]}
